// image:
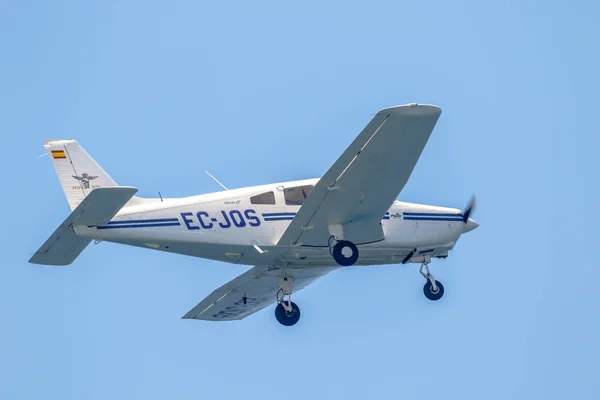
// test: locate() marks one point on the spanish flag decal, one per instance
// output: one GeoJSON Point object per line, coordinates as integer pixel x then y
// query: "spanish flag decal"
{"type": "Point", "coordinates": [58, 154]}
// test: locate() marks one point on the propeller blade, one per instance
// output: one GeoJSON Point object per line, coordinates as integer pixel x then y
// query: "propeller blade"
{"type": "Point", "coordinates": [469, 209]}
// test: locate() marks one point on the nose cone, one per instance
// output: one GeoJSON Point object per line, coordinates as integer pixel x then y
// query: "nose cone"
{"type": "Point", "coordinates": [470, 225]}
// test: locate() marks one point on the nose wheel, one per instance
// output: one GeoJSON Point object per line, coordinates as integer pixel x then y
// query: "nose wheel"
{"type": "Point", "coordinates": [431, 293]}
{"type": "Point", "coordinates": [433, 289]}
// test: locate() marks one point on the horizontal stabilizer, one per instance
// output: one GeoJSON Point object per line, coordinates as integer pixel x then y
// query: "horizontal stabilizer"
{"type": "Point", "coordinates": [99, 207]}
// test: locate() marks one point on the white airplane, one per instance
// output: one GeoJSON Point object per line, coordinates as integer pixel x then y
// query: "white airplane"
{"type": "Point", "coordinates": [291, 232]}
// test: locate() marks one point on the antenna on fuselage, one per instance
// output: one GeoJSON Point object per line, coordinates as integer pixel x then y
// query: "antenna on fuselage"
{"type": "Point", "coordinates": [216, 180]}
{"type": "Point", "coordinates": [158, 190]}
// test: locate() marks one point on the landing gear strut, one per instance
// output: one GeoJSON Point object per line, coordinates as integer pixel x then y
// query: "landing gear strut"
{"type": "Point", "coordinates": [286, 312]}
{"type": "Point", "coordinates": [433, 289]}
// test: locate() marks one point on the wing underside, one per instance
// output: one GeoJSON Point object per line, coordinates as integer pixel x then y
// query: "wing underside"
{"type": "Point", "coordinates": [251, 292]}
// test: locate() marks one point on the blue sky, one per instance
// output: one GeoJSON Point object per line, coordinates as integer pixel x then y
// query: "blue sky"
{"type": "Point", "coordinates": [260, 92]}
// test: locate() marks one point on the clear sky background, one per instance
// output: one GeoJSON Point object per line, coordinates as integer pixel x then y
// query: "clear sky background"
{"type": "Point", "coordinates": [261, 92]}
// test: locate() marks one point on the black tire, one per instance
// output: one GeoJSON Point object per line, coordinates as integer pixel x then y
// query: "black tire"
{"type": "Point", "coordinates": [430, 294]}
{"type": "Point", "coordinates": [287, 318]}
{"type": "Point", "coordinates": [339, 256]}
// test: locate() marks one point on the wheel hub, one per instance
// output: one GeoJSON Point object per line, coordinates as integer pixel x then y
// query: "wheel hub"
{"type": "Point", "coordinates": [347, 252]}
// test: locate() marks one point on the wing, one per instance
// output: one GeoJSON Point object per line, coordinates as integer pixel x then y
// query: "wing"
{"type": "Point", "coordinates": [359, 188]}
{"type": "Point", "coordinates": [251, 292]}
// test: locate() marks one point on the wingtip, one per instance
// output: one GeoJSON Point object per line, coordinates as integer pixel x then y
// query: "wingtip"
{"type": "Point", "coordinates": [37, 261]}
{"type": "Point", "coordinates": [416, 109]}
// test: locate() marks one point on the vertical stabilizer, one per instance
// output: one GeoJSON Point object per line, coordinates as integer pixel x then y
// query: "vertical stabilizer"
{"type": "Point", "coordinates": [78, 173]}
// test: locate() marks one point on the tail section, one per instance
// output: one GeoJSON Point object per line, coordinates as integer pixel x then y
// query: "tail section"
{"type": "Point", "coordinates": [94, 198]}
{"type": "Point", "coordinates": [64, 246]}
{"type": "Point", "coordinates": [78, 173]}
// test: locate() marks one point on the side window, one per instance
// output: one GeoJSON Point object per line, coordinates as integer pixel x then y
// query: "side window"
{"type": "Point", "coordinates": [263, 198]}
{"type": "Point", "coordinates": [295, 196]}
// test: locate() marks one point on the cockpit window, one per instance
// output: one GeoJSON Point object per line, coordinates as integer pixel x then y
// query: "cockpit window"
{"type": "Point", "coordinates": [295, 196]}
{"type": "Point", "coordinates": [263, 198]}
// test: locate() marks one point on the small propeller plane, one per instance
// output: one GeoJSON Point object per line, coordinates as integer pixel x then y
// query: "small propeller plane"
{"type": "Point", "coordinates": [291, 232]}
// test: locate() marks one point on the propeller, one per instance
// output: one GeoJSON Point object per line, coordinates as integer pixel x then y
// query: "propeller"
{"type": "Point", "coordinates": [469, 209]}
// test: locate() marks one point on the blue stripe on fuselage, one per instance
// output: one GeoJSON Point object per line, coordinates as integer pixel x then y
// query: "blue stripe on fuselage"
{"type": "Point", "coordinates": [139, 225]}
{"type": "Point", "coordinates": [432, 219]}
{"type": "Point", "coordinates": [142, 221]}
{"type": "Point", "coordinates": [416, 214]}
{"type": "Point", "coordinates": [281, 216]}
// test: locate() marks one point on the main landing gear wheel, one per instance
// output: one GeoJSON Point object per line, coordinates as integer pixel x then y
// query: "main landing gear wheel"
{"type": "Point", "coordinates": [286, 312]}
{"type": "Point", "coordinates": [345, 253]}
{"type": "Point", "coordinates": [431, 293]}
{"type": "Point", "coordinates": [287, 318]}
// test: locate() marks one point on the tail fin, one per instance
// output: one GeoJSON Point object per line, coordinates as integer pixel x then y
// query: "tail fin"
{"type": "Point", "coordinates": [78, 173]}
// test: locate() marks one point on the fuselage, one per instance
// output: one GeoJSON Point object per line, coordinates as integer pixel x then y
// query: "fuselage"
{"type": "Point", "coordinates": [244, 226]}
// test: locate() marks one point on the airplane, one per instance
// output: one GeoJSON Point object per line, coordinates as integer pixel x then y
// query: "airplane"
{"type": "Point", "coordinates": [291, 233]}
